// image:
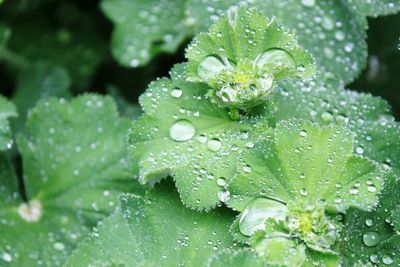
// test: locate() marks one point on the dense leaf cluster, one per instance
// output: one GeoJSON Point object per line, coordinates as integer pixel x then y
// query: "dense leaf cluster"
{"type": "Point", "coordinates": [251, 153]}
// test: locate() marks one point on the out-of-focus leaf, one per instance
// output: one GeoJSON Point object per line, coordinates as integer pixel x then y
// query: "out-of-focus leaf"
{"type": "Point", "coordinates": [75, 164]}
{"type": "Point", "coordinates": [40, 80]}
{"type": "Point", "coordinates": [145, 28]}
{"type": "Point", "coordinates": [7, 111]}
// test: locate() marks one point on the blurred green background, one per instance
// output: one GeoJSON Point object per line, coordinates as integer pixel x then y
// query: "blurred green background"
{"type": "Point", "coordinates": [75, 35]}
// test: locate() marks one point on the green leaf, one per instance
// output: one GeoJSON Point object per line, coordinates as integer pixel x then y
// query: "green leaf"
{"type": "Point", "coordinates": [183, 134]}
{"type": "Point", "coordinates": [7, 111]}
{"type": "Point", "coordinates": [155, 230]}
{"type": "Point", "coordinates": [324, 102]}
{"type": "Point", "coordinates": [326, 28]}
{"type": "Point", "coordinates": [145, 28]}
{"type": "Point", "coordinates": [236, 259]}
{"type": "Point", "coordinates": [373, 8]}
{"type": "Point", "coordinates": [40, 80]}
{"type": "Point", "coordinates": [125, 108]}
{"type": "Point", "coordinates": [75, 164]}
{"type": "Point", "coordinates": [243, 55]}
{"type": "Point", "coordinates": [4, 35]}
{"type": "Point", "coordinates": [371, 237]}
{"type": "Point", "coordinates": [62, 40]}
{"type": "Point", "coordinates": [307, 163]}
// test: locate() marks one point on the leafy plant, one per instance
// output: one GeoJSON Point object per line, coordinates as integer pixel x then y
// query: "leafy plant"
{"type": "Point", "coordinates": [251, 153]}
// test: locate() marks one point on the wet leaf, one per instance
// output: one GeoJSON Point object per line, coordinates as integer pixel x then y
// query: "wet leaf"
{"type": "Point", "coordinates": [242, 57]}
{"type": "Point", "coordinates": [371, 237]}
{"type": "Point", "coordinates": [145, 28]}
{"type": "Point", "coordinates": [306, 163]}
{"type": "Point", "coordinates": [60, 40]}
{"type": "Point", "coordinates": [7, 111]}
{"type": "Point", "coordinates": [184, 135]}
{"type": "Point", "coordinates": [144, 231]}
{"type": "Point", "coordinates": [75, 164]}
{"type": "Point", "coordinates": [40, 80]}
{"type": "Point", "coordinates": [237, 258]}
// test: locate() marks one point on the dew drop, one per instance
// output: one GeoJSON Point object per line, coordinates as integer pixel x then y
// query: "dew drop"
{"type": "Point", "coordinates": [182, 130]}
{"type": "Point", "coordinates": [6, 257]}
{"type": "Point", "coordinates": [371, 188]}
{"type": "Point", "coordinates": [386, 259]}
{"type": "Point", "coordinates": [327, 116]}
{"type": "Point", "coordinates": [134, 63]}
{"type": "Point", "coordinates": [221, 181]}
{"type": "Point", "coordinates": [303, 133]}
{"type": "Point", "coordinates": [247, 168]}
{"type": "Point", "coordinates": [224, 196]}
{"type": "Point", "coordinates": [214, 144]}
{"type": "Point", "coordinates": [308, 3]}
{"type": "Point", "coordinates": [210, 67]}
{"type": "Point", "coordinates": [371, 239]}
{"type": "Point", "coordinates": [354, 190]}
{"type": "Point", "coordinates": [176, 92]}
{"type": "Point", "coordinates": [31, 211]}
{"type": "Point", "coordinates": [257, 211]}
{"type": "Point", "coordinates": [58, 246]}
{"type": "Point", "coordinates": [278, 56]}
{"type": "Point", "coordinates": [202, 139]}
{"type": "Point", "coordinates": [359, 150]}
{"type": "Point", "coordinates": [369, 222]}
{"type": "Point", "coordinates": [303, 192]}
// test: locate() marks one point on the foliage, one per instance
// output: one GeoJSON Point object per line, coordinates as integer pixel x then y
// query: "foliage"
{"type": "Point", "coordinates": [252, 152]}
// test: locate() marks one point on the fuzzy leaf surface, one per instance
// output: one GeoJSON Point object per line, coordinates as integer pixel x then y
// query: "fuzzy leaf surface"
{"type": "Point", "coordinates": [75, 164]}
{"type": "Point", "coordinates": [155, 230]}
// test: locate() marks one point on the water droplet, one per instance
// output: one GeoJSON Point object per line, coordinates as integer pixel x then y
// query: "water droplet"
{"type": "Point", "coordinates": [303, 192]}
{"type": "Point", "coordinates": [214, 144]}
{"type": "Point", "coordinates": [221, 181]}
{"type": "Point", "coordinates": [176, 92]}
{"type": "Point", "coordinates": [371, 239]}
{"type": "Point", "coordinates": [327, 116]}
{"type": "Point", "coordinates": [6, 257]}
{"type": "Point", "coordinates": [308, 3]}
{"type": "Point", "coordinates": [247, 168]}
{"type": "Point", "coordinates": [202, 139]}
{"type": "Point", "coordinates": [303, 133]}
{"type": "Point", "coordinates": [369, 222]}
{"type": "Point", "coordinates": [359, 150]}
{"type": "Point", "coordinates": [257, 211]}
{"type": "Point", "coordinates": [354, 190]}
{"type": "Point", "coordinates": [224, 196]}
{"type": "Point", "coordinates": [373, 258]}
{"type": "Point", "coordinates": [134, 63]}
{"type": "Point", "coordinates": [210, 67]}
{"type": "Point", "coordinates": [386, 259]}
{"type": "Point", "coordinates": [31, 211]}
{"type": "Point", "coordinates": [371, 188]}
{"type": "Point", "coordinates": [58, 246]}
{"type": "Point", "coordinates": [278, 56]}
{"type": "Point", "coordinates": [182, 130]}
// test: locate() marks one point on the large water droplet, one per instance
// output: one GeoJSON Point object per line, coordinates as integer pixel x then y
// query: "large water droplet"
{"type": "Point", "coordinates": [308, 3]}
{"type": "Point", "coordinates": [31, 212]}
{"type": "Point", "coordinates": [386, 259]}
{"type": "Point", "coordinates": [371, 239]}
{"type": "Point", "coordinates": [182, 130]}
{"type": "Point", "coordinates": [210, 67]}
{"type": "Point", "coordinates": [214, 144]}
{"type": "Point", "coordinates": [276, 57]}
{"type": "Point", "coordinates": [258, 210]}
{"type": "Point", "coordinates": [176, 92]}
{"type": "Point", "coordinates": [6, 257]}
